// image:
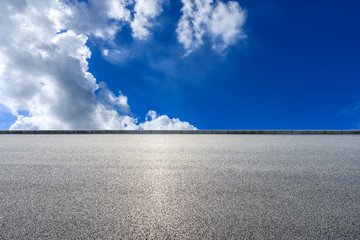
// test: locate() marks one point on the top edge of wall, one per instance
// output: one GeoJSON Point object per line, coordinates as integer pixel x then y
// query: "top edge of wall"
{"type": "Point", "coordinates": [180, 132]}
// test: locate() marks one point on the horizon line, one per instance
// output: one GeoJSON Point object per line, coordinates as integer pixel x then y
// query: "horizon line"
{"type": "Point", "coordinates": [295, 132]}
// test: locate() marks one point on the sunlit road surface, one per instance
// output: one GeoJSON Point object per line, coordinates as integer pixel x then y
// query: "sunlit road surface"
{"type": "Point", "coordinates": [179, 187]}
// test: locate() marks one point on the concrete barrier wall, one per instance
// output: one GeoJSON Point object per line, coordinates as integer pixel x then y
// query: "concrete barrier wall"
{"type": "Point", "coordinates": [180, 132]}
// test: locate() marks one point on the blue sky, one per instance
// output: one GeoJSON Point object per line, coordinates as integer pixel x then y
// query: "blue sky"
{"type": "Point", "coordinates": [291, 65]}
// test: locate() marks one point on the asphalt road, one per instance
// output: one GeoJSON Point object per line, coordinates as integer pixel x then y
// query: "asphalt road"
{"type": "Point", "coordinates": [179, 187]}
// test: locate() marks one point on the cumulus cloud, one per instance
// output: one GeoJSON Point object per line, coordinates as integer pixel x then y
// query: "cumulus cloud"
{"type": "Point", "coordinates": [163, 122]}
{"type": "Point", "coordinates": [145, 11]}
{"type": "Point", "coordinates": [221, 22]}
{"type": "Point", "coordinates": [44, 67]}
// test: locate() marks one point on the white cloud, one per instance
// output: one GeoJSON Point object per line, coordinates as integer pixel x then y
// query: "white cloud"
{"type": "Point", "coordinates": [117, 56]}
{"type": "Point", "coordinates": [226, 24]}
{"type": "Point", "coordinates": [117, 9]}
{"type": "Point", "coordinates": [105, 52]}
{"type": "Point", "coordinates": [24, 123]}
{"type": "Point", "coordinates": [45, 73]}
{"type": "Point", "coordinates": [111, 101]}
{"type": "Point", "coordinates": [145, 12]}
{"type": "Point", "coordinates": [221, 22]}
{"type": "Point", "coordinates": [151, 115]}
{"type": "Point", "coordinates": [163, 122]}
{"type": "Point", "coordinates": [3, 63]}
{"type": "Point", "coordinates": [102, 19]}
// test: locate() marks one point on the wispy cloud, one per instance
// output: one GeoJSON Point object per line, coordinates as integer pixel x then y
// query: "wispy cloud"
{"type": "Point", "coordinates": [352, 110]}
